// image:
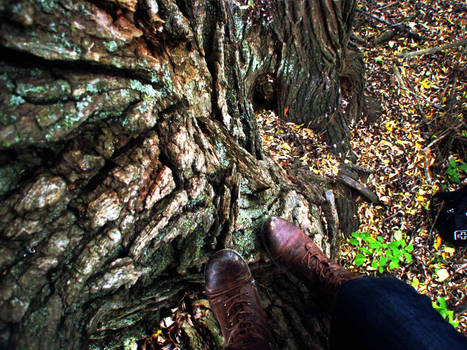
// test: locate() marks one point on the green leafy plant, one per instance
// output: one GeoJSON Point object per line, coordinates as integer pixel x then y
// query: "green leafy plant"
{"type": "Point", "coordinates": [441, 306]}
{"type": "Point", "coordinates": [454, 169]}
{"type": "Point", "coordinates": [381, 255]}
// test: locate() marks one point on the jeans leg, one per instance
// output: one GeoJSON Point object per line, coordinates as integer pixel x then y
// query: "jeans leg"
{"type": "Point", "coordinates": [386, 313]}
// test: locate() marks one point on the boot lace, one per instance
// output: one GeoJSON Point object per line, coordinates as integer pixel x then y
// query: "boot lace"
{"type": "Point", "coordinates": [243, 321]}
{"type": "Point", "coordinates": [243, 324]}
{"type": "Point", "coordinates": [317, 262]}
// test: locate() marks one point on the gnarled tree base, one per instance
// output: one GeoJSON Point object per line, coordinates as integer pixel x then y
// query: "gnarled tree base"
{"type": "Point", "coordinates": [130, 153]}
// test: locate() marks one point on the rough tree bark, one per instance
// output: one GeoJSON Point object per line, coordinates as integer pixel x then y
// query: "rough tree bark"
{"type": "Point", "coordinates": [129, 152]}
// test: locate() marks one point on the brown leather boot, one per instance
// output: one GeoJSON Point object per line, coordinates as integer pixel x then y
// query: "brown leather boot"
{"type": "Point", "coordinates": [289, 245]}
{"type": "Point", "coordinates": [235, 302]}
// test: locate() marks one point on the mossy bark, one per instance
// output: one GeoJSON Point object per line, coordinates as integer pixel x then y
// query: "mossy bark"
{"type": "Point", "coordinates": [129, 153]}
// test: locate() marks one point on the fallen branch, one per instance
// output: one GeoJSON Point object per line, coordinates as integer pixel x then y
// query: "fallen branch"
{"type": "Point", "coordinates": [397, 27]}
{"type": "Point", "coordinates": [376, 17]}
{"type": "Point", "coordinates": [371, 196]}
{"type": "Point", "coordinates": [460, 42]}
{"type": "Point", "coordinates": [359, 168]}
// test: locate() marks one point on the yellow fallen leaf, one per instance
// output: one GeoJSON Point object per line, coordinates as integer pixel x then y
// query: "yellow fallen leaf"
{"type": "Point", "coordinates": [425, 83]}
{"type": "Point", "coordinates": [389, 126]}
{"type": "Point", "coordinates": [438, 242]}
{"type": "Point", "coordinates": [415, 282]}
{"type": "Point", "coordinates": [449, 250]}
{"type": "Point", "coordinates": [422, 288]}
{"type": "Point", "coordinates": [156, 334]}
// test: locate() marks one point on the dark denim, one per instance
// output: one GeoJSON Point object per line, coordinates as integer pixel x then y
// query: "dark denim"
{"type": "Point", "coordinates": [386, 313]}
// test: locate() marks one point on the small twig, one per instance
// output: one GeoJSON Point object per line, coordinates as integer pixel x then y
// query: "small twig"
{"type": "Point", "coordinates": [442, 136]}
{"type": "Point", "coordinates": [375, 17]}
{"type": "Point", "coordinates": [389, 5]}
{"type": "Point", "coordinates": [433, 225]}
{"type": "Point", "coordinates": [461, 268]}
{"type": "Point", "coordinates": [460, 42]}
{"type": "Point", "coordinates": [427, 169]}
{"type": "Point", "coordinates": [462, 139]}
{"type": "Point", "coordinates": [418, 97]}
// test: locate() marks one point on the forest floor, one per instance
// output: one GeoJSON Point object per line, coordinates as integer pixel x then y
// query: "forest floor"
{"type": "Point", "coordinates": [416, 147]}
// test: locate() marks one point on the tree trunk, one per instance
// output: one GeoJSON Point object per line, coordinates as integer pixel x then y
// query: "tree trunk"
{"type": "Point", "coordinates": [130, 153]}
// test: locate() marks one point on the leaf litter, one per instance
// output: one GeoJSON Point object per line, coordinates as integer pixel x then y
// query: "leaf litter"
{"type": "Point", "coordinates": [416, 148]}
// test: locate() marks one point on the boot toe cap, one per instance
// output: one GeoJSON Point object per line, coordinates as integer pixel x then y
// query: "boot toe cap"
{"type": "Point", "coordinates": [276, 234]}
{"type": "Point", "coordinates": [225, 268]}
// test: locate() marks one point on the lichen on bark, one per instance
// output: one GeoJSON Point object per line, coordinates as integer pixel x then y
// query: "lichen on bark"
{"type": "Point", "coordinates": [129, 153]}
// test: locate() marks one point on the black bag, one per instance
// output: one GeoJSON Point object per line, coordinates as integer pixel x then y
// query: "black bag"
{"type": "Point", "coordinates": [452, 219]}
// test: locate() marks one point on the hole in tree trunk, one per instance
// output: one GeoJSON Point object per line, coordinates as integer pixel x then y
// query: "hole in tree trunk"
{"type": "Point", "coordinates": [265, 92]}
